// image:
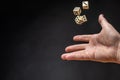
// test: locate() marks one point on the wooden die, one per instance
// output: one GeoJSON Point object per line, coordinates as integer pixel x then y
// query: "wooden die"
{"type": "Point", "coordinates": [80, 19]}
{"type": "Point", "coordinates": [77, 11]}
{"type": "Point", "coordinates": [85, 4]}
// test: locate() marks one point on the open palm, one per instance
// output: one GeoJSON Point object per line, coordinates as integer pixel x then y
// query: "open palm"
{"type": "Point", "coordinates": [101, 47]}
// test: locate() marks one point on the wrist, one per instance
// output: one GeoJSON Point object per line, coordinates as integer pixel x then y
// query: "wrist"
{"type": "Point", "coordinates": [118, 52]}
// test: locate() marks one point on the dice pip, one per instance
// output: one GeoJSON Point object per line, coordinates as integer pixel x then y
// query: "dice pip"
{"type": "Point", "coordinates": [84, 18]}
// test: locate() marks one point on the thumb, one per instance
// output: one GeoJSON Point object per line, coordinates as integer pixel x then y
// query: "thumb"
{"type": "Point", "coordinates": [102, 21]}
{"type": "Point", "coordinates": [105, 24]}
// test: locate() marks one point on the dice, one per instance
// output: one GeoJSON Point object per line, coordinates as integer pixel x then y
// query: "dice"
{"type": "Point", "coordinates": [84, 18]}
{"type": "Point", "coordinates": [80, 19]}
{"type": "Point", "coordinates": [77, 11]}
{"type": "Point", "coordinates": [85, 4]}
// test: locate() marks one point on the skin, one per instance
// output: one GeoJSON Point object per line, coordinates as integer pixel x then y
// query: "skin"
{"type": "Point", "coordinates": [101, 47]}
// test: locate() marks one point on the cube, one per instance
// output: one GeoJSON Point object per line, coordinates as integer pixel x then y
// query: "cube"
{"type": "Point", "coordinates": [84, 18]}
{"type": "Point", "coordinates": [80, 19]}
{"type": "Point", "coordinates": [85, 4]}
{"type": "Point", "coordinates": [77, 11]}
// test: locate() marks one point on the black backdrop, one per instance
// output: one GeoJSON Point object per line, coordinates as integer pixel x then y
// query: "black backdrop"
{"type": "Point", "coordinates": [34, 34]}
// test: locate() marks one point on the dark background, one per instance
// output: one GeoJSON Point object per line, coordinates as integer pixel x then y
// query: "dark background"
{"type": "Point", "coordinates": [34, 34]}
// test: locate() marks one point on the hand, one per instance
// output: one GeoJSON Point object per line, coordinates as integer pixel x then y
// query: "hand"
{"type": "Point", "coordinates": [102, 47]}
